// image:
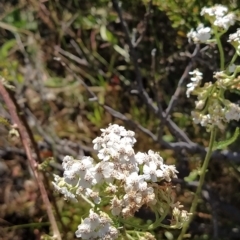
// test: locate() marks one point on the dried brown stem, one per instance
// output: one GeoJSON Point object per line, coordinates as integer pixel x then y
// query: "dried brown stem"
{"type": "Point", "coordinates": [26, 144]}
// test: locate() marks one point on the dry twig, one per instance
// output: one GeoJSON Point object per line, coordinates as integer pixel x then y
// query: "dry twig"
{"type": "Point", "coordinates": [33, 164]}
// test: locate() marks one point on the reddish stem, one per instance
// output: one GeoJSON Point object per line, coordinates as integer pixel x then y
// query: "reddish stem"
{"type": "Point", "coordinates": [26, 144]}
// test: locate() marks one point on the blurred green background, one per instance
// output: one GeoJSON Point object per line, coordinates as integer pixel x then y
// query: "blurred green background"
{"type": "Point", "coordinates": [48, 49]}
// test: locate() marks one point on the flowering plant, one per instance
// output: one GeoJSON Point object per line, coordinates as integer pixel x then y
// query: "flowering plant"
{"type": "Point", "coordinates": [125, 181]}
{"type": "Point", "coordinates": [212, 110]}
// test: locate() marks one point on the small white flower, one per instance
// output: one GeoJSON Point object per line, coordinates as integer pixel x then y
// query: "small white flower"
{"type": "Point", "coordinates": [84, 230]}
{"type": "Point", "coordinates": [87, 229]}
{"type": "Point", "coordinates": [215, 11]}
{"type": "Point", "coordinates": [201, 35]}
{"type": "Point", "coordinates": [67, 162]}
{"type": "Point", "coordinates": [141, 158]}
{"type": "Point", "coordinates": [113, 232]}
{"type": "Point", "coordinates": [232, 112]}
{"type": "Point", "coordinates": [149, 196]}
{"type": "Point", "coordinates": [150, 172]}
{"type": "Point", "coordinates": [93, 195]}
{"type": "Point", "coordinates": [104, 154]}
{"type": "Point", "coordinates": [235, 37]}
{"type": "Point", "coordinates": [73, 172]}
{"type": "Point", "coordinates": [97, 143]}
{"type": "Point", "coordinates": [116, 206]}
{"type": "Point", "coordinates": [112, 140]}
{"type": "Point", "coordinates": [197, 76]}
{"type": "Point", "coordinates": [225, 22]}
{"type": "Point", "coordinates": [155, 157]}
{"type": "Point", "coordinates": [133, 182]}
{"type": "Point", "coordinates": [102, 171]}
{"type": "Point", "coordinates": [88, 180]}
{"type": "Point", "coordinates": [219, 16]}
{"type": "Point", "coordinates": [196, 81]}
{"type": "Point", "coordinates": [128, 138]}
{"type": "Point", "coordinates": [65, 192]}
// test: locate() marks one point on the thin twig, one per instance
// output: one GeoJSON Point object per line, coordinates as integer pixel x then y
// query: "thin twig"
{"type": "Point", "coordinates": [145, 23]}
{"type": "Point", "coordinates": [31, 136]}
{"type": "Point", "coordinates": [132, 54]}
{"type": "Point", "coordinates": [186, 144]}
{"type": "Point", "coordinates": [27, 143]}
{"type": "Point", "coordinates": [157, 110]}
{"type": "Point", "coordinates": [177, 92]}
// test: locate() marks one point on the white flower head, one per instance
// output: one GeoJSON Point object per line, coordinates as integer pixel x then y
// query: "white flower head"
{"type": "Point", "coordinates": [232, 112]}
{"type": "Point", "coordinates": [103, 171]}
{"type": "Point", "coordinates": [150, 172]}
{"type": "Point", "coordinates": [201, 35]}
{"type": "Point", "coordinates": [127, 178]}
{"type": "Point", "coordinates": [104, 154]}
{"type": "Point", "coordinates": [216, 11]}
{"type": "Point", "coordinates": [219, 16]}
{"type": "Point", "coordinates": [225, 22]}
{"type": "Point", "coordinates": [141, 158]}
{"type": "Point", "coordinates": [134, 182]}
{"type": "Point", "coordinates": [116, 206]}
{"type": "Point", "coordinates": [234, 39]}
{"type": "Point", "coordinates": [196, 81]}
{"type": "Point", "coordinates": [96, 227]}
{"type": "Point", "coordinates": [62, 187]}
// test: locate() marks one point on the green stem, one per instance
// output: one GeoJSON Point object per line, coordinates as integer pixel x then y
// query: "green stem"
{"type": "Point", "coordinates": [125, 235]}
{"type": "Point", "coordinates": [221, 52]}
{"type": "Point", "coordinates": [233, 59]}
{"type": "Point", "coordinates": [158, 221]}
{"type": "Point", "coordinates": [201, 181]}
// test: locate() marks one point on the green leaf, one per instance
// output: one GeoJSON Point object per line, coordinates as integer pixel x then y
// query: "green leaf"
{"type": "Point", "coordinates": [4, 121]}
{"type": "Point", "coordinates": [6, 47]}
{"type": "Point", "coordinates": [55, 82]}
{"type": "Point", "coordinates": [122, 52]}
{"type": "Point", "coordinates": [107, 35]}
{"type": "Point", "coordinates": [225, 143]}
{"type": "Point", "coordinates": [192, 176]}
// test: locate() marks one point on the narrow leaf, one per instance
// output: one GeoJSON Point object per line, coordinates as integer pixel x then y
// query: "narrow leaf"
{"type": "Point", "coordinates": [225, 143]}
{"type": "Point", "coordinates": [192, 176]}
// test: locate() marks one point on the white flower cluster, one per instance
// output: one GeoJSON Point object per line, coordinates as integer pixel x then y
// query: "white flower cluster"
{"type": "Point", "coordinates": [234, 39]}
{"type": "Point", "coordinates": [214, 117]}
{"type": "Point", "coordinates": [218, 115]}
{"type": "Point", "coordinates": [180, 216]}
{"type": "Point", "coordinates": [232, 111]}
{"type": "Point", "coordinates": [201, 35]}
{"type": "Point", "coordinates": [219, 16]}
{"type": "Point", "coordinates": [128, 180]}
{"type": "Point", "coordinates": [218, 111]}
{"type": "Point", "coordinates": [216, 11]}
{"type": "Point", "coordinates": [97, 227]}
{"type": "Point", "coordinates": [196, 81]}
